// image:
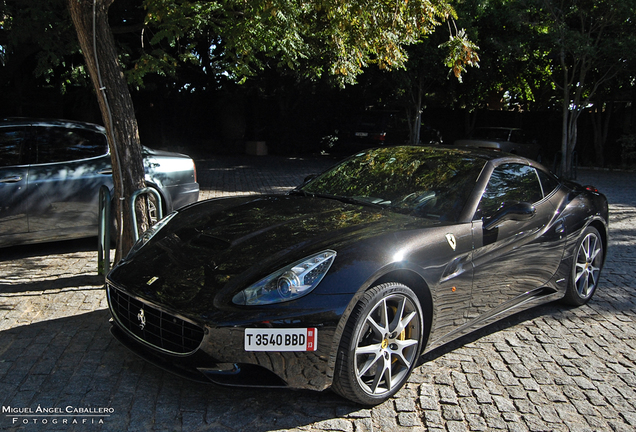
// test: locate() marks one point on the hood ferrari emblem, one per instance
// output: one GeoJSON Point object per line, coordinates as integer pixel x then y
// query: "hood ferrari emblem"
{"type": "Point", "coordinates": [141, 317]}
{"type": "Point", "coordinates": [451, 241]}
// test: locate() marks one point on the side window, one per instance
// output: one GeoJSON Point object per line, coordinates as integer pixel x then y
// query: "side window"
{"type": "Point", "coordinates": [11, 140]}
{"type": "Point", "coordinates": [548, 182]}
{"type": "Point", "coordinates": [510, 183]}
{"type": "Point", "coordinates": [57, 144]}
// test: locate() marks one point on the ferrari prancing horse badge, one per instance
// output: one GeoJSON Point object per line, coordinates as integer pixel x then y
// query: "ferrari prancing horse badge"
{"type": "Point", "coordinates": [451, 241]}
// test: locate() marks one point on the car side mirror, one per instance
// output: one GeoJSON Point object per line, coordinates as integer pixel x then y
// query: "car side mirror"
{"type": "Point", "coordinates": [514, 211]}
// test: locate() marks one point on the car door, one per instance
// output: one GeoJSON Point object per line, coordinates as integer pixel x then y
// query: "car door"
{"type": "Point", "coordinates": [71, 164]}
{"type": "Point", "coordinates": [13, 182]}
{"type": "Point", "coordinates": [521, 252]}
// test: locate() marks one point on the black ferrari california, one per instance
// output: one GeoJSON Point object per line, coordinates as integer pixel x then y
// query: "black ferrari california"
{"type": "Point", "coordinates": [345, 281]}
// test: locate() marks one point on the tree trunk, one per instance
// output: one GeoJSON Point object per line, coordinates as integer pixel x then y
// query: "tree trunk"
{"type": "Point", "coordinates": [601, 115]}
{"type": "Point", "coordinates": [571, 111]}
{"type": "Point", "coordinates": [573, 135]}
{"type": "Point", "coordinates": [565, 121]}
{"type": "Point", "coordinates": [564, 139]}
{"type": "Point", "coordinates": [470, 120]}
{"type": "Point", "coordinates": [415, 119]}
{"type": "Point", "coordinates": [90, 18]}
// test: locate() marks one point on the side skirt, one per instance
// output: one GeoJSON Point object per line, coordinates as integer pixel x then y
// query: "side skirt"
{"type": "Point", "coordinates": [526, 301]}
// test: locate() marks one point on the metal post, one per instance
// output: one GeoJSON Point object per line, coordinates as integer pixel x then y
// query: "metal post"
{"type": "Point", "coordinates": [103, 232]}
{"type": "Point", "coordinates": [133, 199]}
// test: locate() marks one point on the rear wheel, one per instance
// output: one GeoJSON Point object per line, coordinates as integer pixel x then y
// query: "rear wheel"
{"type": "Point", "coordinates": [380, 345]}
{"type": "Point", "coordinates": [586, 268]}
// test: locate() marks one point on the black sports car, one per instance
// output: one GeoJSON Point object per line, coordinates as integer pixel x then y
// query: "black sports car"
{"type": "Point", "coordinates": [346, 280]}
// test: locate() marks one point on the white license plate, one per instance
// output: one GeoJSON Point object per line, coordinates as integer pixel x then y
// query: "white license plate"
{"type": "Point", "coordinates": [260, 339]}
{"type": "Point", "coordinates": [362, 134]}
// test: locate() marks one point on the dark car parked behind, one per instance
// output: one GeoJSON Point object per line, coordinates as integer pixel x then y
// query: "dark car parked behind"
{"type": "Point", "coordinates": [505, 139]}
{"type": "Point", "coordinates": [51, 172]}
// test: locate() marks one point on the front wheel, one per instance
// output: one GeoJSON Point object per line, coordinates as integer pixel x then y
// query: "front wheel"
{"type": "Point", "coordinates": [586, 268]}
{"type": "Point", "coordinates": [380, 345]}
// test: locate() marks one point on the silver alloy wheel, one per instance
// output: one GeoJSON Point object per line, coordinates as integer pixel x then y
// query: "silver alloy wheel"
{"type": "Point", "coordinates": [387, 344]}
{"type": "Point", "coordinates": [152, 211]}
{"type": "Point", "coordinates": [589, 259]}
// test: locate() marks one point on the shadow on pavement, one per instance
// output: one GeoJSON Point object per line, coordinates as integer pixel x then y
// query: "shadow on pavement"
{"type": "Point", "coordinates": [76, 362]}
{"type": "Point", "coordinates": [75, 282]}
{"type": "Point", "coordinates": [44, 249]}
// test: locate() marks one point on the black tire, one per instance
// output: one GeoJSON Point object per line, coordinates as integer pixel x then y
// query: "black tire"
{"type": "Point", "coordinates": [380, 345]}
{"type": "Point", "coordinates": [587, 262]}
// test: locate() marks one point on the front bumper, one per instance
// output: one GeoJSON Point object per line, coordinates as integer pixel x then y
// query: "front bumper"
{"type": "Point", "coordinates": [207, 353]}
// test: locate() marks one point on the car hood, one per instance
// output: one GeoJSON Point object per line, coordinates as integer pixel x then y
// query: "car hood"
{"type": "Point", "coordinates": [213, 249]}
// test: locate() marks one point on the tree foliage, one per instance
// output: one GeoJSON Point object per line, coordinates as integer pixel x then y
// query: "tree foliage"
{"type": "Point", "coordinates": [39, 27]}
{"type": "Point", "coordinates": [590, 42]}
{"type": "Point", "coordinates": [533, 54]}
{"type": "Point", "coordinates": [315, 38]}
{"type": "Point", "coordinates": [569, 56]}
{"type": "Point", "coordinates": [37, 50]}
{"type": "Point", "coordinates": [336, 37]}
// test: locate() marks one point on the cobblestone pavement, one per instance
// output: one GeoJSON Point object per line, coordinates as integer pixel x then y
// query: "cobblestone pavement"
{"type": "Point", "coordinates": [548, 369]}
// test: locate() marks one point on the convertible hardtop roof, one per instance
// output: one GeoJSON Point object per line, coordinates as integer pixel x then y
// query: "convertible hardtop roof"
{"type": "Point", "coordinates": [476, 153]}
{"type": "Point", "coordinates": [485, 155]}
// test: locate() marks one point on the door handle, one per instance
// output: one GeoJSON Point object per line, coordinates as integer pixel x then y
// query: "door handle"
{"type": "Point", "coordinates": [11, 179]}
{"type": "Point", "coordinates": [106, 171]}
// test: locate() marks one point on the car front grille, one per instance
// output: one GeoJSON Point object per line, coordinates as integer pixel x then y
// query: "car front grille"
{"type": "Point", "coordinates": [153, 326]}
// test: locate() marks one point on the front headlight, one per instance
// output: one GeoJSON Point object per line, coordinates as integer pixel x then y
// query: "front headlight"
{"type": "Point", "coordinates": [288, 283]}
{"type": "Point", "coordinates": [149, 233]}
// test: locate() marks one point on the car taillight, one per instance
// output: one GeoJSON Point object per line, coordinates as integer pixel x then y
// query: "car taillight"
{"type": "Point", "coordinates": [591, 188]}
{"type": "Point", "coordinates": [194, 166]}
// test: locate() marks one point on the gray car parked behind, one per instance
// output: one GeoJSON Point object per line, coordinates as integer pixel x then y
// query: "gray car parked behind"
{"type": "Point", "coordinates": [51, 172]}
{"type": "Point", "coordinates": [510, 140]}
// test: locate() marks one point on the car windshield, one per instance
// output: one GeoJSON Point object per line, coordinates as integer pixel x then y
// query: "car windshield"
{"type": "Point", "coordinates": [422, 181]}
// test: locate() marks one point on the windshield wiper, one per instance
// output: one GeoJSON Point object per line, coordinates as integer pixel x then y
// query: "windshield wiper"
{"type": "Point", "coordinates": [358, 201]}
{"type": "Point", "coordinates": [344, 199]}
{"type": "Point", "coordinates": [300, 192]}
